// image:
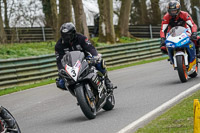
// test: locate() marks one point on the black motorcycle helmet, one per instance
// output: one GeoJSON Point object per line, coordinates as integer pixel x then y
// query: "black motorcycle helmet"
{"type": "Point", "coordinates": [68, 32]}
{"type": "Point", "coordinates": [174, 8]}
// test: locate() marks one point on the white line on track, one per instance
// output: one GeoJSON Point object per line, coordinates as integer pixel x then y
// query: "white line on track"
{"type": "Point", "coordinates": [132, 127]}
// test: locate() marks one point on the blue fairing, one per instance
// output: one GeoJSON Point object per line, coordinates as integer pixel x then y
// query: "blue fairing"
{"type": "Point", "coordinates": [183, 42]}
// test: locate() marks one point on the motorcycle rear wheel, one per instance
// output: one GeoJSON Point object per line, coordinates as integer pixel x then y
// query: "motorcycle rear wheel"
{"type": "Point", "coordinates": [13, 127]}
{"type": "Point", "coordinates": [110, 103]}
{"type": "Point", "coordinates": [182, 70]}
{"type": "Point", "coordinates": [87, 106]}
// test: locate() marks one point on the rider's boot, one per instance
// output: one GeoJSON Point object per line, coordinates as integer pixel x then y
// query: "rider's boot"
{"type": "Point", "coordinates": [197, 52]}
{"type": "Point", "coordinates": [108, 84]}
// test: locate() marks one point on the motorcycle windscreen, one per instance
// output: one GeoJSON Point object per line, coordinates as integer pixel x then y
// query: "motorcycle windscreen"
{"type": "Point", "coordinates": [70, 58]}
{"type": "Point", "coordinates": [177, 31]}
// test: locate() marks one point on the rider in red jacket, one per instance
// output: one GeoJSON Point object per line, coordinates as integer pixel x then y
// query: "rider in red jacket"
{"type": "Point", "coordinates": [176, 17]}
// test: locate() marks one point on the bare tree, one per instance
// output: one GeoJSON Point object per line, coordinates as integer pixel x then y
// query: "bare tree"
{"type": "Point", "coordinates": [80, 17]}
{"type": "Point", "coordinates": [6, 14]}
{"type": "Point", "coordinates": [54, 18]}
{"type": "Point", "coordinates": [183, 7]}
{"type": "Point", "coordinates": [48, 13]}
{"type": "Point", "coordinates": [3, 37]}
{"type": "Point", "coordinates": [27, 14]}
{"type": "Point", "coordinates": [106, 27]}
{"type": "Point", "coordinates": [139, 13]}
{"type": "Point", "coordinates": [65, 11]}
{"type": "Point", "coordinates": [156, 13]}
{"type": "Point", "coordinates": [123, 22]}
{"type": "Point", "coordinates": [194, 14]}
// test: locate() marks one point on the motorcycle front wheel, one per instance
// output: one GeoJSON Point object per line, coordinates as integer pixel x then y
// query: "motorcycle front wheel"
{"type": "Point", "coordinates": [87, 106]}
{"type": "Point", "coordinates": [181, 68]}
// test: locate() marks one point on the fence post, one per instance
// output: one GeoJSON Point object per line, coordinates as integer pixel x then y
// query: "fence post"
{"type": "Point", "coordinates": [17, 35]}
{"type": "Point", "coordinates": [196, 107]}
{"type": "Point", "coordinates": [43, 33]}
{"type": "Point", "coordinates": [150, 29]}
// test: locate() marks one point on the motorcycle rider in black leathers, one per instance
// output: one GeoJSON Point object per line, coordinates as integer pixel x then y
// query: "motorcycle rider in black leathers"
{"type": "Point", "coordinates": [72, 41]}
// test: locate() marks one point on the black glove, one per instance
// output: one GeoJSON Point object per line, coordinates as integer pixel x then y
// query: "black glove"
{"type": "Point", "coordinates": [194, 36]}
{"type": "Point", "coordinates": [162, 46]}
{"type": "Point", "coordinates": [162, 43]}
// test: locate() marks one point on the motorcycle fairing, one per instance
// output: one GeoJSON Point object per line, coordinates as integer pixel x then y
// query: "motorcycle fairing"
{"type": "Point", "coordinates": [178, 38]}
{"type": "Point", "coordinates": [73, 71]}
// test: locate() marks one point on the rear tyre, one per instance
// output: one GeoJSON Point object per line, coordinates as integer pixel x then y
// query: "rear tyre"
{"type": "Point", "coordinates": [182, 70]}
{"type": "Point", "coordinates": [87, 106]}
{"type": "Point", "coordinates": [8, 122]}
{"type": "Point", "coordinates": [195, 73]}
{"type": "Point", "coordinates": [110, 103]}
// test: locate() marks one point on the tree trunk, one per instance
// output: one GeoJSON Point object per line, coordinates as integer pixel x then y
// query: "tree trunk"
{"type": "Point", "coordinates": [144, 13]}
{"type": "Point", "coordinates": [194, 14]}
{"type": "Point", "coordinates": [6, 14]}
{"type": "Point", "coordinates": [65, 12]}
{"type": "Point", "coordinates": [80, 18]}
{"type": "Point", "coordinates": [183, 7]}
{"type": "Point", "coordinates": [3, 37]}
{"type": "Point", "coordinates": [123, 22]}
{"type": "Point", "coordinates": [140, 14]}
{"type": "Point", "coordinates": [54, 18]}
{"type": "Point", "coordinates": [47, 12]}
{"type": "Point", "coordinates": [156, 13]}
{"type": "Point", "coordinates": [106, 27]}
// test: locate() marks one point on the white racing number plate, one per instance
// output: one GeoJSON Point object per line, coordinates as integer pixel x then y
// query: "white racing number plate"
{"type": "Point", "coordinates": [73, 71]}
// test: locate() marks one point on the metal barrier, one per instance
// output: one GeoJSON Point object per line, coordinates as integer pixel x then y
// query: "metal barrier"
{"type": "Point", "coordinates": [15, 72]}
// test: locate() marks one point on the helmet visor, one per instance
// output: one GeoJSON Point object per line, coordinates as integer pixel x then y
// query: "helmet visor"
{"type": "Point", "coordinates": [173, 12]}
{"type": "Point", "coordinates": [66, 36]}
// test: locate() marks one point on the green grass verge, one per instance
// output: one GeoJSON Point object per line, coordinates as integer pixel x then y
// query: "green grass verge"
{"type": "Point", "coordinates": [19, 50]}
{"type": "Point", "coordinates": [24, 87]}
{"type": "Point", "coordinates": [49, 81]}
{"type": "Point", "coordinates": [178, 119]}
{"type": "Point", "coordinates": [95, 42]}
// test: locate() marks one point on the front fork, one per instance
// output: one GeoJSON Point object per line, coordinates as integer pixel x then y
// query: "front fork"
{"type": "Point", "coordinates": [180, 53]}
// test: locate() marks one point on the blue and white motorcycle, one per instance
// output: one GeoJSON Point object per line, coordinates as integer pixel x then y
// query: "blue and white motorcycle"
{"type": "Point", "coordinates": [182, 52]}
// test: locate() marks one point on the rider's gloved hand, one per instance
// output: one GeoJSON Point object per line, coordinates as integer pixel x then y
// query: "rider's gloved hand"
{"type": "Point", "coordinates": [163, 46]}
{"type": "Point", "coordinates": [95, 59]}
{"type": "Point", "coordinates": [194, 36]}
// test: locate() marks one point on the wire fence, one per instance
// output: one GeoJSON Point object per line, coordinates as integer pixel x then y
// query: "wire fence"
{"type": "Point", "coordinates": [39, 34]}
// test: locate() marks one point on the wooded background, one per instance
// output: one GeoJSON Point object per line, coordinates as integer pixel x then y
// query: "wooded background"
{"type": "Point", "coordinates": [57, 12]}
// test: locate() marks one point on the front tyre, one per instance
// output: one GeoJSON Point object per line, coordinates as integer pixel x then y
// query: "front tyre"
{"type": "Point", "coordinates": [87, 106]}
{"type": "Point", "coordinates": [110, 103]}
{"type": "Point", "coordinates": [182, 70]}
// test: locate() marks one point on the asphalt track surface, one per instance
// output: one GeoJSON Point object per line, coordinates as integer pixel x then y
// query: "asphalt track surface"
{"type": "Point", "coordinates": [141, 89]}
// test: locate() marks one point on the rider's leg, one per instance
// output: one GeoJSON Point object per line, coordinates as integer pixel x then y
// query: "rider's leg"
{"type": "Point", "coordinates": [102, 68]}
{"type": "Point", "coordinates": [60, 83]}
{"type": "Point", "coordinates": [197, 45]}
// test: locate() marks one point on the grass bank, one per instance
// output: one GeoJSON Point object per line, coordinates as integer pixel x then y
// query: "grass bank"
{"type": "Point", "coordinates": [178, 119]}
{"type": "Point", "coordinates": [19, 50]}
